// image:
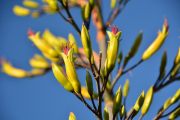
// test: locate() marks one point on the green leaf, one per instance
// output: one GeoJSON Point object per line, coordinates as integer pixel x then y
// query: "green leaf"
{"type": "Point", "coordinates": [89, 83]}
{"type": "Point", "coordinates": [120, 56]}
{"type": "Point", "coordinates": [162, 70]}
{"type": "Point", "coordinates": [134, 48]}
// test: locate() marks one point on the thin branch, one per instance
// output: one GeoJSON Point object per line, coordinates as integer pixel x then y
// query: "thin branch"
{"type": "Point", "coordinates": [70, 18]}
{"type": "Point", "coordinates": [115, 12]}
{"type": "Point", "coordinates": [131, 68]}
{"type": "Point", "coordinates": [99, 90]}
{"type": "Point", "coordinates": [121, 72]}
{"type": "Point", "coordinates": [160, 113]}
{"type": "Point", "coordinates": [140, 117]}
{"type": "Point", "coordinates": [167, 114]}
{"type": "Point", "coordinates": [159, 82]}
{"type": "Point", "coordinates": [171, 80]}
{"type": "Point", "coordinates": [81, 98]}
{"type": "Point", "coordinates": [93, 103]}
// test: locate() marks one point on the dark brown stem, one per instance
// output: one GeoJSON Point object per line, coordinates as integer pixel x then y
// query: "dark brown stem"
{"type": "Point", "coordinates": [99, 90]}
{"type": "Point", "coordinates": [81, 98]}
{"type": "Point", "coordinates": [93, 103]}
{"type": "Point", "coordinates": [165, 84]}
{"type": "Point", "coordinates": [70, 18]}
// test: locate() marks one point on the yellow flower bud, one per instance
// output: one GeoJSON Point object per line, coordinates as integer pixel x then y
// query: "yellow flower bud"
{"type": "Point", "coordinates": [8, 69]}
{"type": "Point", "coordinates": [176, 97]}
{"type": "Point", "coordinates": [85, 93]}
{"type": "Point", "coordinates": [20, 11]}
{"type": "Point", "coordinates": [67, 56]}
{"type": "Point", "coordinates": [175, 70]}
{"type": "Point", "coordinates": [174, 114]}
{"type": "Point", "coordinates": [117, 101]}
{"type": "Point", "coordinates": [86, 12]}
{"type": "Point", "coordinates": [41, 44]}
{"type": "Point", "coordinates": [113, 3]}
{"type": "Point", "coordinates": [122, 111]}
{"type": "Point", "coordinates": [147, 101]}
{"type": "Point", "coordinates": [61, 78]}
{"type": "Point", "coordinates": [126, 88]}
{"type": "Point", "coordinates": [72, 116]}
{"type": "Point", "coordinates": [30, 4]}
{"type": "Point", "coordinates": [86, 42]}
{"type": "Point", "coordinates": [52, 4]}
{"type": "Point", "coordinates": [112, 49]}
{"type": "Point", "coordinates": [51, 39]}
{"type": "Point", "coordinates": [106, 113]}
{"type": "Point", "coordinates": [53, 59]}
{"type": "Point", "coordinates": [155, 46]}
{"type": "Point", "coordinates": [72, 41]}
{"type": "Point", "coordinates": [139, 102]}
{"type": "Point", "coordinates": [167, 103]}
{"type": "Point", "coordinates": [177, 59]}
{"type": "Point", "coordinates": [39, 62]}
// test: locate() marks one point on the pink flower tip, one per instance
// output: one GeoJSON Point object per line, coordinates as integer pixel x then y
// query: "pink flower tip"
{"type": "Point", "coordinates": [30, 32]}
{"type": "Point", "coordinates": [114, 29]}
{"type": "Point", "coordinates": [166, 23]}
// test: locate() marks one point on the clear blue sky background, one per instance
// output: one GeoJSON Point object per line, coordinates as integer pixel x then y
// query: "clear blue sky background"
{"type": "Point", "coordinates": [42, 98]}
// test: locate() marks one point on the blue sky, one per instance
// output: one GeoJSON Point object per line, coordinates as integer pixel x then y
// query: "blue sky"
{"type": "Point", "coordinates": [42, 98]}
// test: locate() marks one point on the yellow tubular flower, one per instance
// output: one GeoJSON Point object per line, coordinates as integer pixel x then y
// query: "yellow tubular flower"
{"type": "Point", "coordinates": [41, 44]}
{"type": "Point", "coordinates": [8, 69]}
{"type": "Point", "coordinates": [112, 49]}
{"type": "Point", "coordinates": [20, 11]}
{"type": "Point", "coordinates": [51, 39]}
{"type": "Point", "coordinates": [39, 62]}
{"type": "Point", "coordinates": [86, 42]}
{"type": "Point", "coordinates": [177, 59]}
{"type": "Point", "coordinates": [30, 4]}
{"type": "Point", "coordinates": [53, 59]}
{"type": "Point", "coordinates": [61, 78]}
{"type": "Point", "coordinates": [155, 46]}
{"type": "Point", "coordinates": [72, 41]}
{"type": "Point", "coordinates": [67, 56]}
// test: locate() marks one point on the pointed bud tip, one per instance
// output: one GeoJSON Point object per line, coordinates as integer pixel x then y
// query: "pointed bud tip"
{"type": "Point", "coordinates": [166, 23]}
{"type": "Point", "coordinates": [30, 32]}
{"type": "Point", "coordinates": [65, 48]}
